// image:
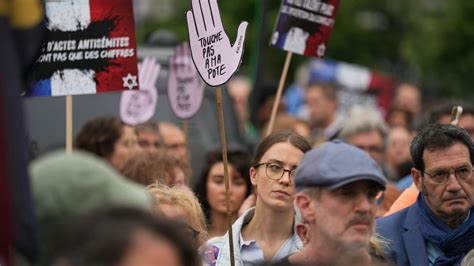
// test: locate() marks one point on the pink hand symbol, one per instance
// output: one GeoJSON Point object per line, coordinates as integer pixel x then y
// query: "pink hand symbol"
{"type": "Point", "coordinates": [185, 86]}
{"type": "Point", "coordinates": [138, 106]}
{"type": "Point", "coordinates": [213, 55]}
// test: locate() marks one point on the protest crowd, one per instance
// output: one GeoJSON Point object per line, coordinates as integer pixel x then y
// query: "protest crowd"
{"type": "Point", "coordinates": [321, 184]}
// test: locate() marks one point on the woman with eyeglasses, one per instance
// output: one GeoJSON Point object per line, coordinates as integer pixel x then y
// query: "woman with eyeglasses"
{"type": "Point", "coordinates": [266, 232]}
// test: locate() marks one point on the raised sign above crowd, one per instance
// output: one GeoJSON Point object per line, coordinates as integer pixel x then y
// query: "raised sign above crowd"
{"type": "Point", "coordinates": [89, 48]}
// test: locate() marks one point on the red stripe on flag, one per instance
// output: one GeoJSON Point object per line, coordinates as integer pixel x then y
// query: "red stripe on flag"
{"type": "Point", "coordinates": [384, 88]}
{"type": "Point", "coordinates": [121, 12]}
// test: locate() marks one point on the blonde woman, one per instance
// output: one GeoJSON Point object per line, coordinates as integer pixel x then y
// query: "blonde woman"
{"type": "Point", "coordinates": [181, 205]}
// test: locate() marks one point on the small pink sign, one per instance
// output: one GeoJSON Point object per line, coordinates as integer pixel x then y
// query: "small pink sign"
{"type": "Point", "coordinates": [185, 86]}
{"type": "Point", "coordinates": [137, 107]}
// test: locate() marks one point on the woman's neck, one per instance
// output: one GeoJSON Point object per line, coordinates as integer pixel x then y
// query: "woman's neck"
{"type": "Point", "coordinates": [218, 225]}
{"type": "Point", "coordinates": [269, 228]}
{"type": "Point", "coordinates": [269, 225]}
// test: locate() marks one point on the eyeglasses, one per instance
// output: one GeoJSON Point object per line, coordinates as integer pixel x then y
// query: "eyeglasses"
{"type": "Point", "coordinates": [441, 176]}
{"type": "Point", "coordinates": [175, 146]}
{"type": "Point", "coordinates": [275, 171]}
{"type": "Point", "coordinates": [129, 144]}
{"type": "Point", "coordinates": [146, 144]}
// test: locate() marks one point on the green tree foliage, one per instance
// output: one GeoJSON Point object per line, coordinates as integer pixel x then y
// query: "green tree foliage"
{"type": "Point", "coordinates": [232, 14]}
{"type": "Point", "coordinates": [425, 42]}
{"type": "Point", "coordinates": [440, 46]}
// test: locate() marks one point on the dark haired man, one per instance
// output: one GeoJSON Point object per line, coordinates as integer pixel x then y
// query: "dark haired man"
{"type": "Point", "coordinates": [439, 228]}
{"type": "Point", "coordinates": [321, 100]}
{"type": "Point", "coordinates": [442, 115]}
{"type": "Point", "coordinates": [174, 140]}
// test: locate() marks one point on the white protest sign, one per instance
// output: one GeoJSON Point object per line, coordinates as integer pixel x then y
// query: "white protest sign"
{"type": "Point", "coordinates": [214, 57]}
{"type": "Point", "coordinates": [304, 27]}
{"type": "Point", "coordinates": [136, 107]}
{"type": "Point", "coordinates": [185, 86]}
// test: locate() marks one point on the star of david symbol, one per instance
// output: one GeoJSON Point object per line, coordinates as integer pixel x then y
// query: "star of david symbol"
{"type": "Point", "coordinates": [321, 50]}
{"type": "Point", "coordinates": [130, 81]}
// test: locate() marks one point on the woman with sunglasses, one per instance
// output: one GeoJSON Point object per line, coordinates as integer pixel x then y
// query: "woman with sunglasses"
{"type": "Point", "coordinates": [266, 232]}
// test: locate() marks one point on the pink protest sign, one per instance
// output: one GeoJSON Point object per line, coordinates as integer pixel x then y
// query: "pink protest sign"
{"type": "Point", "coordinates": [185, 86]}
{"type": "Point", "coordinates": [137, 107]}
{"type": "Point", "coordinates": [212, 53]}
{"type": "Point", "coordinates": [304, 26]}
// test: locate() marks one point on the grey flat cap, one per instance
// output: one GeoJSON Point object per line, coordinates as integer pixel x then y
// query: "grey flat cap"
{"type": "Point", "coordinates": [335, 164]}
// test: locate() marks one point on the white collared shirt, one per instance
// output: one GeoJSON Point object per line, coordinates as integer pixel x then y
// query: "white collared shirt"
{"type": "Point", "coordinates": [251, 253]}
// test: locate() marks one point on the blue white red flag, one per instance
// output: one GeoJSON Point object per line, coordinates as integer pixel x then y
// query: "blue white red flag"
{"type": "Point", "coordinates": [90, 48]}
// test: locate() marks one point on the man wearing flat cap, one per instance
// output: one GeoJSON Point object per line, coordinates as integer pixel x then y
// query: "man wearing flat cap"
{"type": "Point", "coordinates": [339, 188]}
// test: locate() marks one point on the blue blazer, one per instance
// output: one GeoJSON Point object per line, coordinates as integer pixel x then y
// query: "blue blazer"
{"type": "Point", "coordinates": [406, 244]}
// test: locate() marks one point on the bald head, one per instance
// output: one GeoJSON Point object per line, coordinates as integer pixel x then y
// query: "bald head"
{"type": "Point", "coordinates": [149, 137]}
{"type": "Point", "coordinates": [174, 139]}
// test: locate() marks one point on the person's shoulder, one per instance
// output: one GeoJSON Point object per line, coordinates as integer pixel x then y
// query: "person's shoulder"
{"type": "Point", "coordinates": [285, 261]}
{"type": "Point", "coordinates": [216, 241]}
{"type": "Point", "coordinates": [393, 224]}
{"type": "Point", "coordinates": [395, 217]}
{"type": "Point", "coordinates": [380, 260]}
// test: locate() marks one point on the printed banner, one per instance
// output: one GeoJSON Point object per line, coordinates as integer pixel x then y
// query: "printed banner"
{"type": "Point", "coordinates": [304, 26]}
{"type": "Point", "coordinates": [90, 48]}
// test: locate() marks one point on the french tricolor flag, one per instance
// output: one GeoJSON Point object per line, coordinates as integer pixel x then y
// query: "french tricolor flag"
{"type": "Point", "coordinates": [359, 85]}
{"type": "Point", "coordinates": [90, 48]}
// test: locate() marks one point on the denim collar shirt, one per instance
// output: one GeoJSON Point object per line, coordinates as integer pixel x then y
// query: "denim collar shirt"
{"type": "Point", "coordinates": [251, 253]}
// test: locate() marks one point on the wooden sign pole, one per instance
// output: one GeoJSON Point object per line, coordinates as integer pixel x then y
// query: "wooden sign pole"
{"type": "Point", "coordinates": [69, 124]}
{"type": "Point", "coordinates": [226, 172]}
{"type": "Point", "coordinates": [186, 137]}
{"type": "Point", "coordinates": [279, 93]}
